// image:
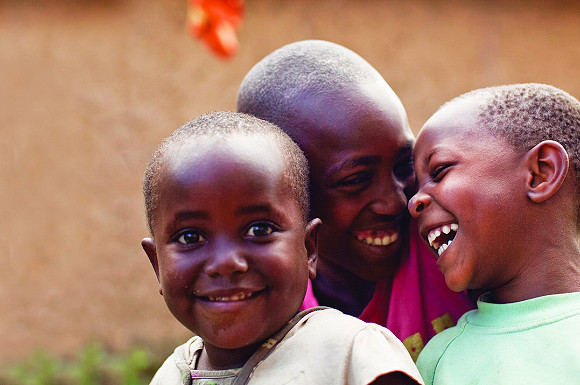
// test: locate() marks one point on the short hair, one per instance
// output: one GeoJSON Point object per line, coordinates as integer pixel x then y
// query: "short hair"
{"type": "Point", "coordinates": [272, 87]}
{"type": "Point", "coordinates": [227, 124]}
{"type": "Point", "coordinates": [527, 114]}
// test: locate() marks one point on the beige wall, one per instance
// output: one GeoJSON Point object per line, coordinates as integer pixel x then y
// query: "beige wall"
{"type": "Point", "coordinates": [88, 89]}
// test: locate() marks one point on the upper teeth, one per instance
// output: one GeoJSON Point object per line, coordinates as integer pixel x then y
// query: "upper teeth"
{"type": "Point", "coordinates": [379, 241]}
{"type": "Point", "coordinates": [236, 297]}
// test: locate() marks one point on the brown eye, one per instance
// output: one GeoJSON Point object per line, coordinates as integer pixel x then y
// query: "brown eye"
{"type": "Point", "coordinates": [260, 230]}
{"type": "Point", "coordinates": [190, 237]}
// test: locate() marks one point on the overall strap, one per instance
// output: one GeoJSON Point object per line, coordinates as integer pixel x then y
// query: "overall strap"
{"type": "Point", "coordinates": [267, 347]}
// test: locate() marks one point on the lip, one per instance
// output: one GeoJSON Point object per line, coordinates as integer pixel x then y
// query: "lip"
{"type": "Point", "coordinates": [378, 232]}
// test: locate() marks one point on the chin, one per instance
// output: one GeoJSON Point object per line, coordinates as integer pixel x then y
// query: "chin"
{"type": "Point", "coordinates": [456, 285]}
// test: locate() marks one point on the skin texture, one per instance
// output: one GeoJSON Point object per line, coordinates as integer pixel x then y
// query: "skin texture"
{"type": "Point", "coordinates": [506, 204]}
{"type": "Point", "coordinates": [359, 188]}
{"type": "Point", "coordinates": [227, 227]}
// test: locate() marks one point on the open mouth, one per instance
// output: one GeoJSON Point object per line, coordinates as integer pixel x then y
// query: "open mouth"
{"type": "Point", "coordinates": [376, 238]}
{"type": "Point", "coordinates": [440, 238]}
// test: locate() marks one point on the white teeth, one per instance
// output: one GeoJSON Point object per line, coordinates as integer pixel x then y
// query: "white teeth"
{"type": "Point", "coordinates": [436, 233]}
{"type": "Point", "coordinates": [444, 247]}
{"type": "Point", "coordinates": [431, 237]}
{"type": "Point", "coordinates": [236, 297]}
{"type": "Point", "coordinates": [378, 241]}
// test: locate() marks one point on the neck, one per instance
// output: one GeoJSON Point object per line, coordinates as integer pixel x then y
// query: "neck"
{"type": "Point", "coordinates": [555, 269]}
{"type": "Point", "coordinates": [341, 289]}
{"type": "Point", "coordinates": [215, 358]}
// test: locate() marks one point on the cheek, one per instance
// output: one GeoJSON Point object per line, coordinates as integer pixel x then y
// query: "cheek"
{"type": "Point", "coordinates": [178, 275]}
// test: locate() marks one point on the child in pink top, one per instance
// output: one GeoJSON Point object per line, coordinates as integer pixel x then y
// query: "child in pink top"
{"type": "Point", "coordinates": [354, 132]}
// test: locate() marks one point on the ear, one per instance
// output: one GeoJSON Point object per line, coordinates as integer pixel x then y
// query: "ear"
{"type": "Point", "coordinates": [548, 165]}
{"type": "Point", "coordinates": [151, 250]}
{"type": "Point", "coordinates": [311, 243]}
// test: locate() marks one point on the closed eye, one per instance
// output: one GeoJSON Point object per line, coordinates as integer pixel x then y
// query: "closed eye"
{"type": "Point", "coordinates": [439, 172]}
{"type": "Point", "coordinates": [354, 182]}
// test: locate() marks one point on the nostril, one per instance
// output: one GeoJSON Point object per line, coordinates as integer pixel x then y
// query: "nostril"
{"type": "Point", "coordinates": [420, 206]}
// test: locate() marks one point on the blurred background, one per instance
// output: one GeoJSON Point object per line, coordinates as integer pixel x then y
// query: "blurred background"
{"type": "Point", "coordinates": [89, 88]}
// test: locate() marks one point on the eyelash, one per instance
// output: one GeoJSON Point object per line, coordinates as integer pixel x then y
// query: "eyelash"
{"type": "Point", "coordinates": [180, 238]}
{"type": "Point", "coordinates": [437, 171]}
{"type": "Point", "coordinates": [270, 229]}
{"type": "Point", "coordinates": [354, 183]}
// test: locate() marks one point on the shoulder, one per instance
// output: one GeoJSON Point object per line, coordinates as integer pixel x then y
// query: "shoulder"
{"type": "Point", "coordinates": [436, 347]}
{"type": "Point", "coordinates": [331, 323]}
{"type": "Point", "coordinates": [328, 323]}
{"type": "Point", "coordinates": [175, 370]}
{"type": "Point", "coordinates": [361, 351]}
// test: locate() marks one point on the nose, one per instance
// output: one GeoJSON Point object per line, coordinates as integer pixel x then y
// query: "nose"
{"type": "Point", "coordinates": [390, 198]}
{"type": "Point", "coordinates": [226, 260]}
{"type": "Point", "coordinates": [418, 203]}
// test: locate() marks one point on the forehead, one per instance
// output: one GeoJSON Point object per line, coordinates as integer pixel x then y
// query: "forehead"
{"type": "Point", "coordinates": [455, 122]}
{"type": "Point", "coordinates": [351, 117]}
{"type": "Point", "coordinates": [241, 157]}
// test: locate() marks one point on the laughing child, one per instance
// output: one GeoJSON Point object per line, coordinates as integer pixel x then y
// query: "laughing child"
{"type": "Point", "coordinates": [227, 207]}
{"type": "Point", "coordinates": [499, 203]}
{"type": "Point", "coordinates": [354, 132]}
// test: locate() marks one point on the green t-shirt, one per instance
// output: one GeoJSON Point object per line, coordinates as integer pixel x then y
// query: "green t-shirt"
{"type": "Point", "coordinates": [536, 341]}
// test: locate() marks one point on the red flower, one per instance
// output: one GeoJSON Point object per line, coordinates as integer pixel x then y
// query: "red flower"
{"type": "Point", "coordinates": [215, 23]}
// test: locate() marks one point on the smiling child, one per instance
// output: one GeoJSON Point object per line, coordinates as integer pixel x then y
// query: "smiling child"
{"type": "Point", "coordinates": [498, 201]}
{"type": "Point", "coordinates": [354, 131]}
{"type": "Point", "coordinates": [227, 205]}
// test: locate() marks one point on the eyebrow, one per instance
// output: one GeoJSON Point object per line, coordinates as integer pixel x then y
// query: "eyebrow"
{"type": "Point", "coordinates": [352, 163]}
{"type": "Point", "coordinates": [264, 209]}
{"type": "Point", "coordinates": [202, 215]}
{"type": "Point", "coordinates": [427, 159]}
{"type": "Point", "coordinates": [185, 215]}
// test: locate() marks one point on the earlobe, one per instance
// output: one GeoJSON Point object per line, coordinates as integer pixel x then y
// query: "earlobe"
{"type": "Point", "coordinates": [149, 246]}
{"type": "Point", "coordinates": [548, 165]}
{"type": "Point", "coordinates": [311, 243]}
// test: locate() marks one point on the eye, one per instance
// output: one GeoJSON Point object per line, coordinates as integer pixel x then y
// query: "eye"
{"type": "Point", "coordinates": [355, 181]}
{"type": "Point", "coordinates": [439, 172]}
{"type": "Point", "coordinates": [404, 168]}
{"type": "Point", "coordinates": [190, 238]}
{"type": "Point", "coordinates": [258, 230]}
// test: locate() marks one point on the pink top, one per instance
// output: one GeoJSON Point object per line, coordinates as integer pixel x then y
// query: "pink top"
{"type": "Point", "coordinates": [418, 304]}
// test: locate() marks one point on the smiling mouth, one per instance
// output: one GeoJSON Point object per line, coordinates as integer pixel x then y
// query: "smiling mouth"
{"type": "Point", "coordinates": [376, 238]}
{"type": "Point", "coordinates": [440, 238]}
{"type": "Point", "coordinates": [240, 296]}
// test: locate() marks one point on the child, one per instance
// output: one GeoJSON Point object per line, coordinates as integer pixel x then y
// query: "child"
{"type": "Point", "coordinates": [499, 176]}
{"type": "Point", "coordinates": [354, 132]}
{"type": "Point", "coordinates": [227, 203]}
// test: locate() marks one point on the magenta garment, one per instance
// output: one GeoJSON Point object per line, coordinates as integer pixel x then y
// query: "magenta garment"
{"type": "Point", "coordinates": [418, 304]}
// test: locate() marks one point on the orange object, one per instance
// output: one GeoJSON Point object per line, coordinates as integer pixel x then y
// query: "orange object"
{"type": "Point", "coordinates": [215, 23]}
